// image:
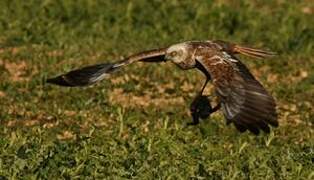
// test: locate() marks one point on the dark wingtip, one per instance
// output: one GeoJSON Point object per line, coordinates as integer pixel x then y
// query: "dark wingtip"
{"type": "Point", "coordinates": [84, 76]}
{"type": "Point", "coordinates": [59, 80]}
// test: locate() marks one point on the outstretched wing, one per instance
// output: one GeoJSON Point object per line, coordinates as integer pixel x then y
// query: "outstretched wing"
{"type": "Point", "coordinates": [92, 74]}
{"type": "Point", "coordinates": [244, 101]}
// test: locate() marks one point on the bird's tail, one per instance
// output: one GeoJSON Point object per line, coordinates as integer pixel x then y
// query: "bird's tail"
{"type": "Point", "coordinates": [252, 52]}
{"type": "Point", "coordinates": [86, 75]}
{"type": "Point", "coordinates": [247, 51]}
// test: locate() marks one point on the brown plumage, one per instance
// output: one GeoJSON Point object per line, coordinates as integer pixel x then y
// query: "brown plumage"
{"type": "Point", "coordinates": [243, 100]}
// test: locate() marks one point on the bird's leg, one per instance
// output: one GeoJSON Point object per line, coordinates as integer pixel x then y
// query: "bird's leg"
{"type": "Point", "coordinates": [194, 108]}
{"type": "Point", "coordinates": [216, 108]}
{"type": "Point", "coordinates": [194, 112]}
{"type": "Point", "coordinates": [203, 88]}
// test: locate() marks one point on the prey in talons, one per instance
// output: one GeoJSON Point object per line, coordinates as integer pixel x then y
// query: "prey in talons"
{"type": "Point", "coordinates": [201, 108]}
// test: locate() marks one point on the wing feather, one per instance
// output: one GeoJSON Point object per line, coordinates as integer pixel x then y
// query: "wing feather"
{"type": "Point", "coordinates": [245, 102]}
{"type": "Point", "coordinates": [91, 74]}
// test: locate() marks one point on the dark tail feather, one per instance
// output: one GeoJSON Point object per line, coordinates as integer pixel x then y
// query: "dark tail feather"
{"type": "Point", "coordinates": [84, 76]}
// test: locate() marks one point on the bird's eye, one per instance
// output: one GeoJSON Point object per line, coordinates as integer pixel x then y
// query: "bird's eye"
{"type": "Point", "coordinates": [173, 53]}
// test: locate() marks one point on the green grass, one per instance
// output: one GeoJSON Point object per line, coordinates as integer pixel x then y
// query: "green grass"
{"type": "Point", "coordinates": [133, 125]}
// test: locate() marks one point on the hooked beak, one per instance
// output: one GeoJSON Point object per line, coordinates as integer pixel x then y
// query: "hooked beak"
{"type": "Point", "coordinates": [167, 57]}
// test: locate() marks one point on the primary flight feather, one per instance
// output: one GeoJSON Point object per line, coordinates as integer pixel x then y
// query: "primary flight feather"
{"type": "Point", "coordinates": [243, 100]}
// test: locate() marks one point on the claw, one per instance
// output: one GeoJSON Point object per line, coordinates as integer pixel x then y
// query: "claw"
{"type": "Point", "coordinates": [195, 119]}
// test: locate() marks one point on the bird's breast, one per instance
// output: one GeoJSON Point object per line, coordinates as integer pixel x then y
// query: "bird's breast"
{"type": "Point", "coordinates": [187, 63]}
{"type": "Point", "coordinates": [184, 66]}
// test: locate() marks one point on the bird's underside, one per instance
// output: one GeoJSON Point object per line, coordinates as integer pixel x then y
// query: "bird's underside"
{"type": "Point", "coordinates": [243, 100]}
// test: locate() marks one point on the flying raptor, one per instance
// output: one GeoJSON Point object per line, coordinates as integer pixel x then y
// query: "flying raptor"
{"type": "Point", "coordinates": [243, 100]}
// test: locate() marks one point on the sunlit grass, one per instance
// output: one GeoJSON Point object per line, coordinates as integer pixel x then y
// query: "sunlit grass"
{"type": "Point", "coordinates": [134, 124]}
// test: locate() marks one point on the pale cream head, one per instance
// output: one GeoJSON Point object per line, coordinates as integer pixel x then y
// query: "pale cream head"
{"type": "Point", "coordinates": [177, 53]}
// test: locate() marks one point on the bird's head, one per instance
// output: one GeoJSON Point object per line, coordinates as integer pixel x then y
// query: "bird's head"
{"type": "Point", "coordinates": [177, 53]}
{"type": "Point", "coordinates": [181, 55]}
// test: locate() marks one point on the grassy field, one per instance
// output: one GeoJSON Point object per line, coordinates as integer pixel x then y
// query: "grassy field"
{"type": "Point", "coordinates": [133, 125]}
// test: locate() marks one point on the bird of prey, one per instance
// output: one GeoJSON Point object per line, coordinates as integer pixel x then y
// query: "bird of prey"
{"type": "Point", "coordinates": [243, 100]}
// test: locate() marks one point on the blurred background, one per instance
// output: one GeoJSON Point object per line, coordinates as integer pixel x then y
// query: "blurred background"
{"type": "Point", "coordinates": [134, 124]}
